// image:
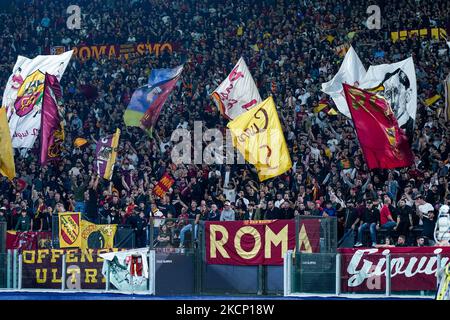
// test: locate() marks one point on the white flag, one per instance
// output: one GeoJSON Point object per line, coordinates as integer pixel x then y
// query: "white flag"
{"type": "Point", "coordinates": [397, 83]}
{"type": "Point", "coordinates": [237, 93]}
{"type": "Point", "coordinates": [23, 95]}
{"type": "Point", "coordinates": [351, 72]}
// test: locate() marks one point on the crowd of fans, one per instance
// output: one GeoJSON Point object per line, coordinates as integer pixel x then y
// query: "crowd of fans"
{"type": "Point", "coordinates": [289, 47]}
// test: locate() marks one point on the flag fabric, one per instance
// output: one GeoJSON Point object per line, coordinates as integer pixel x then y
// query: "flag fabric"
{"type": "Point", "coordinates": [97, 236]}
{"type": "Point", "coordinates": [7, 166]}
{"type": "Point", "coordinates": [147, 101]}
{"type": "Point", "coordinates": [342, 50]}
{"type": "Point", "coordinates": [351, 71]}
{"type": "Point", "coordinates": [396, 82]}
{"type": "Point", "coordinates": [447, 98]}
{"type": "Point", "coordinates": [24, 92]}
{"type": "Point", "coordinates": [383, 142]}
{"type": "Point", "coordinates": [324, 106]}
{"type": "Point", "coordinates": [237, 93]}
{"type": "Point", "coordinates": [432, 100]}
{"type": "Point", "coordinates": [258, 136]}
{"type": "Point", "coordinates": [163, 185]}
{"type": "Point", "coordinates": [52, 124]}
{"type": "Point", "coordinates": [69, 229]}
{"type": "Point", "coordinates": [79, 142]}
{"type": "Point", "coordinates": [128, 270]}
{"type": "Point", "coordinates": [28, 240]}
{"type": "Point", "coordinates": [105, 155]}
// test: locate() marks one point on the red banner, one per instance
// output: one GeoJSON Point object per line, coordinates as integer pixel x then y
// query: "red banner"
{"type": "Point", "coordinates": [28, 240]}
{"type": "Point", "coordinates": [412, 268]}
{"type": "Point", "coordinates": [163, 185]}
{"type": "Point", "coordinates": [260, 242]}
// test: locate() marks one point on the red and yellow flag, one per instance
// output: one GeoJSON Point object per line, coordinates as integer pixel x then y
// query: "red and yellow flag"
{"type": "Point", "coordinates": [163, 185]}
{"type": "Point", "coordinates": [69, 230]}
{"type": "Point", "coordinates": [383, 142]}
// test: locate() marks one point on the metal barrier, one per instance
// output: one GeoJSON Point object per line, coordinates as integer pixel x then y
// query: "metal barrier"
{"type": "Point", "coordinates": [181, 248]}
{"type": "Point", "coordinates": [64, 273]}
{"type": "Point", "coordinates": [311, 274]}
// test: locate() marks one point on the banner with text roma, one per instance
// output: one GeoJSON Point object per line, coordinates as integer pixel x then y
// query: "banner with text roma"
{"type": "Point", "coordinates": [259, 242]}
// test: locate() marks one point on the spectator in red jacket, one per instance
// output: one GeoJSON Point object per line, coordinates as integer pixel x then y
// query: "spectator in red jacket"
{"type": "Point", "coordinates": [386, 219]}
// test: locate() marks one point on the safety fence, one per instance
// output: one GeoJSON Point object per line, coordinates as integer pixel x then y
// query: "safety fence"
{"type": "Point", "coordinates": [407, 271]}
{"type": "Point", "coordinates": [183, 257]}
{"type": "Point", "coordinates": [68, 270]}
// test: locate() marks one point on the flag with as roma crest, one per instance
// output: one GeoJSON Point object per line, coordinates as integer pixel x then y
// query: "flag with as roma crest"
{"type": "Point", "coordinates": [70, 230]}
{"type": "Point", "coordinates": [24, 93]}
{"type": "Point", "coordinates": [384, 144]}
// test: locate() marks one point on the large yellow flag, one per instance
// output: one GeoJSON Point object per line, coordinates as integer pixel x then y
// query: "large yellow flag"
{"type": "Point", "coordinates": [7, 167]}
{"type": "Point", "coordinates": [97, 236]}
{"type": "Point", "coordinates": [258, 136]}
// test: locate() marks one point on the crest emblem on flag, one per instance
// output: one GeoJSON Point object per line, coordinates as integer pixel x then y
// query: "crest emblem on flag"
{"type": "Point", "coordinates": [30, 93]}
{"type": "Point", "coordinates": [69, 229]}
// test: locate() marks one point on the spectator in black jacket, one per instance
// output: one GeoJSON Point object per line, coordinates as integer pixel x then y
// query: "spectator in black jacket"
{"type": "Point", "coordinates": [272, 212]}
{"type": "Point", "coordinates": [370, 219]}
{"type": "Point", "coordinates": [286, 212]}
{"type": "Point", "coordinates": [404, 218]}
{"type": "Point", "coordinates": [214, 213]}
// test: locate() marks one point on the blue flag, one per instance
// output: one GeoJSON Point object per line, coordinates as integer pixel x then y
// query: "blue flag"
{"type": "Point", "coordinates": [147, 101]}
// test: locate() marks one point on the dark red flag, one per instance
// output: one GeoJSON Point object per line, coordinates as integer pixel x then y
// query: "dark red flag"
{"type": "Point", "coordinates": [383, 142]}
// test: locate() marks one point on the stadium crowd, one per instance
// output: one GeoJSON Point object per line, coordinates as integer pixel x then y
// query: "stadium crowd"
{"type": "Point", "coordinates": [289, 47]}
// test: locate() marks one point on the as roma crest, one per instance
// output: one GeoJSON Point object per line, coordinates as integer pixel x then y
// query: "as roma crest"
{"type": "Point", "coordinates": [30, 93]}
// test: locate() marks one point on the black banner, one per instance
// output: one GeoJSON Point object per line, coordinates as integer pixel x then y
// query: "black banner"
{"type": "Point", "coordinates": [42, 269]}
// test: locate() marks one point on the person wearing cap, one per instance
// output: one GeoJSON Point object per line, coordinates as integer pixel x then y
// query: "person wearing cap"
{"type": "Point", "coordinates": [227, 213]}
{"type": "Point", "coordinates": [370, 219]}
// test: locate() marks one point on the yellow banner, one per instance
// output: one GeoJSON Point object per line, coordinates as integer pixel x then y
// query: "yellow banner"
{"type": "Point", "coordinates": [97, 236]}
{"type": "Point", "coordinates": [69, 230]}
{"type": "Point", "coordinates": [258, 136]}
{"type": "Point", "coordinates": [112, 159]}
{"type": "Point", "coordinates": [7, 166]}
{"type": "Point", "coordinates": [447, 98]}
{"type": "Point", "coordinates": [431, 33]}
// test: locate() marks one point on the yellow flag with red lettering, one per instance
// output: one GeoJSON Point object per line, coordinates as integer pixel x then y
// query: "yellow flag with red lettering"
{"type": "Point", "coordinates": [7, 166]}
{"type": "Point", "coordinates": [258, 136]}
